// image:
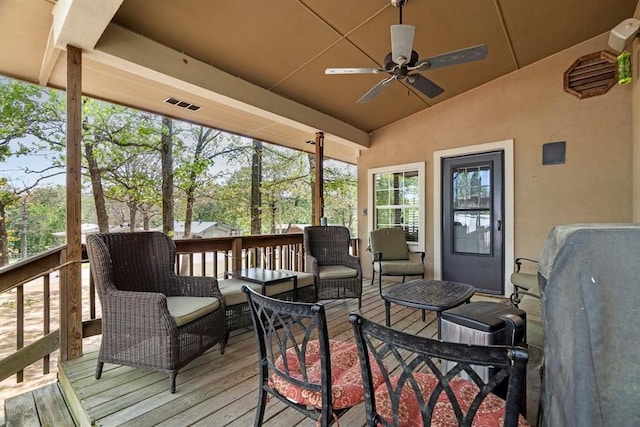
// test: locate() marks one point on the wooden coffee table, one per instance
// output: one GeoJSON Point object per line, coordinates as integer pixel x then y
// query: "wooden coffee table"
{"type": "Point", "coordinates": [433, 295]}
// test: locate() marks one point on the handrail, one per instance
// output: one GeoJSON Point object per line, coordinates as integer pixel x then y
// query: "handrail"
{"type": "Point", "coordinates": [27, 269]}
{"type": "Point", "coordinates": [273, 251]}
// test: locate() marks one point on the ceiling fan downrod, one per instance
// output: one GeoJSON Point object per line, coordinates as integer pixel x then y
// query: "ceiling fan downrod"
{"type": "Point", "coordinates": [399, 4]}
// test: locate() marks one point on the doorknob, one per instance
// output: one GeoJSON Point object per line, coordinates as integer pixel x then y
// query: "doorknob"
{"type": "Point", "coordinates": [499, 225]}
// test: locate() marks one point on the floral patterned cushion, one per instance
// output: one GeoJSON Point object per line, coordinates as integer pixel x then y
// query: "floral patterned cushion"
{"type": "Point", "coordinates": [346, 377]}
{"type": "Point", "coordinates": [490, 412]}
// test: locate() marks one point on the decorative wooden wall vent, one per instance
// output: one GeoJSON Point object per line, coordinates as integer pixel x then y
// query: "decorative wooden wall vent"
{"type": "Point", "coordinates": [591, 75]}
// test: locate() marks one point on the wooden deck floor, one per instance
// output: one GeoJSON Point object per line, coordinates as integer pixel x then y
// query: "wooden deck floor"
{"type": "Point", "coordinates": [214, 390]}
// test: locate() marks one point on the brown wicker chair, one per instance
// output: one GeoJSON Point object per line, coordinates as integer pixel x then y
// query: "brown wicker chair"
{"type": "Point", "coordinates": [338, 274]}
{"type": "Point", "coordinates": [151, 317]}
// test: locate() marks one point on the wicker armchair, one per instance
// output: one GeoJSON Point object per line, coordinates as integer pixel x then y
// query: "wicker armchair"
{"type": "Point", "coordinates": [151, 317]}
{"type": "Point", "coordinates": [338, 274]}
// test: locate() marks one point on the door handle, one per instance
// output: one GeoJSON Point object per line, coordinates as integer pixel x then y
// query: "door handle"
{"type": "Point", "coordinates": [499, 225]}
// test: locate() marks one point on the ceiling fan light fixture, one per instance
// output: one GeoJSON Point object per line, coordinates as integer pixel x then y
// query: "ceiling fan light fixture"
{"type": "Point", "coordinates": [401, 42]}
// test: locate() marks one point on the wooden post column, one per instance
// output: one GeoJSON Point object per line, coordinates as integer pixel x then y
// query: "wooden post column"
{"type": "Point", "coordinates": [71, 275]}
{"type": "Point", "coordinates": [319, 184]}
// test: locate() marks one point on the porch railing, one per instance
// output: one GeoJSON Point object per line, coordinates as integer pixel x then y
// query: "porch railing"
{"type": "Point", "coordinates": [31, 288]}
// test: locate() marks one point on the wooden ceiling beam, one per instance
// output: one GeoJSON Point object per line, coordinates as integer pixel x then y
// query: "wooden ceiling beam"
{"type": "Point", "coordinates": [79, 23]}
{"type": "Point", "coordinates": [122, 49]}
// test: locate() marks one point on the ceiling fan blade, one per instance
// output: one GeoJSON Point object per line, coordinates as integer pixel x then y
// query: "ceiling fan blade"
{"type": "Point", "coordinates": [401, 42]}
{"type": "Point", "coordinates": [354, 70]}
{"type": "Point", "coordinates": [455, 57]}
{"type": "Point", "coordinates": [424, 85]}
{"type": "Point", "coordinates": [374, 91]}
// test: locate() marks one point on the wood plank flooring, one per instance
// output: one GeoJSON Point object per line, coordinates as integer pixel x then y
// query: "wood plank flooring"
{"type": "Point", "coordinates": [215, 389]}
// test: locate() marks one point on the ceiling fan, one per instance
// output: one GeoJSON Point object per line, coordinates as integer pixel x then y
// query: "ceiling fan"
{"type": "Point", "coordinates": [402, 63]}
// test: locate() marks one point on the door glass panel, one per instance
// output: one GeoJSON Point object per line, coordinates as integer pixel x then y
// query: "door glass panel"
{"type": "Point", "coordinates": [471, 195]}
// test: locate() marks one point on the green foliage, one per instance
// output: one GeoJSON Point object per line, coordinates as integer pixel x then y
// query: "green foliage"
{"type": "Point", "coordinates": [341, 193]}
{"type": "Point", "coordinates": [211, 170]}
{"type": "Point", "coordinates": [45, 213]}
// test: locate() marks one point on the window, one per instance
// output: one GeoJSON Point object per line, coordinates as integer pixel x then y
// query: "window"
{"type": "Point", "coordinates": [396, 199]}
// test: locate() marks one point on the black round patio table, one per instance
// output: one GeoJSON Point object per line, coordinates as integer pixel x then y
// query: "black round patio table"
{"type": "Point", "coordinates": [433, 295]}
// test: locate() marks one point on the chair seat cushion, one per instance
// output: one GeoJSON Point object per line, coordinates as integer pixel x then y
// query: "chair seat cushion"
{"type": "Point", "coordinates": [346, 377]}
{"type": "Point", "coordinates": [187, 309]}
{"type": "Point", "coordinates": [524, 280]}
{"type": "Point", "coordinates": [490, 413]}
{"type": "Point", "coordinates": [304, 279]}
{"type": "Point", "coordinates": [232, 290]}
{"type": "Point", "coordinates": [399, 268]}
{"type": "Point", "coordinates": [336, 272]}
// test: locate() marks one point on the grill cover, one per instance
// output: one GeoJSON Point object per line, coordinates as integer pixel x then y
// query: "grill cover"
{"type": "Point", "coordinates": [590, 288]}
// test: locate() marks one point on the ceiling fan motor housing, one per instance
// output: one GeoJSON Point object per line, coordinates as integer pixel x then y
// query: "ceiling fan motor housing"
{"type": "Point", "coordinates": [389, 65]}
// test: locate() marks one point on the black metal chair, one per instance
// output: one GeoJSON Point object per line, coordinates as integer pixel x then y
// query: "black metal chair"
{"type": "Point", "coordinates": [299, 365]}
{"type": "Point", "coordinates": [431, 380]}
{"type": "Point", "coordinates": [523, 282]}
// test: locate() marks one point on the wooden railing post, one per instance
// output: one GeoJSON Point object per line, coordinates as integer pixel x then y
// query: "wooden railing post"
{"type": "Point", "coordinates": [236, 254]}
{"type": "Point", "coordinates": [319, 183]}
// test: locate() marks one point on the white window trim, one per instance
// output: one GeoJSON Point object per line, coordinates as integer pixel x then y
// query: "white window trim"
{"type": "Point", "coordinates": [421, 168]}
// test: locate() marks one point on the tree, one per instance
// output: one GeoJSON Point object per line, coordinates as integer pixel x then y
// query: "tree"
{"type": "Point", "coordinates": [40, 211]}
{"type": "Point", "coordinates": [166, 156]}
{"type": "Point", "coordinates": [120, 145]}
{"type": "Point", "coordinates": [31, 120]}
{"type": "Point", "coordinates": [341, 188]}
{"type": "Point", "coordinates": [256, 184]}
{"type": "Point", "coordinates": [201, 147]}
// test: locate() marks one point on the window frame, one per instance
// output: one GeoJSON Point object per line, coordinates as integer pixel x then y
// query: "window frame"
{"type": "Point", "coordinates": [419, 167]}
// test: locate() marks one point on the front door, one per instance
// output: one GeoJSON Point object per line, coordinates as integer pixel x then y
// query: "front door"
{"type": "Point", "coordinates": [472, 221]}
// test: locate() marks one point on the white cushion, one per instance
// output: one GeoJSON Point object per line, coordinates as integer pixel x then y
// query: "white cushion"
{"type": "Point", "coordinates": [336, 272]}
{"type": "Point", "coordinates": [232, 290]}
{"type": "Point", "coordinates": [304, 279]}
{"type": "Point", "coordinates": [186, 309]}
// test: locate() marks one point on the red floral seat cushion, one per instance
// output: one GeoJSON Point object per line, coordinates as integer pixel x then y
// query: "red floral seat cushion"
{"type": "Point", "coordinates": [490, 413]}
{"type": "Point", "coordinates": [346, 377]}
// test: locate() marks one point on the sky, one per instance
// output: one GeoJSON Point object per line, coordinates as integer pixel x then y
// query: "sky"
{"type": "Point", "coordinates": [14, 168]}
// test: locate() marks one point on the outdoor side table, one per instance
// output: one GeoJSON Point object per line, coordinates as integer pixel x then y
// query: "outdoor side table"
{"type": "Point", "coordinates": [432, 295]}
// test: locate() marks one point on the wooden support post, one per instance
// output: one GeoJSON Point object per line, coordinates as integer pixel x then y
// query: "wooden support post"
{"type": "Point", "coordinates": [71, 285]}
{"type": "Point", "coordinates": [319, 184]}
{"type": "Point", "coordinates": [236, 254]}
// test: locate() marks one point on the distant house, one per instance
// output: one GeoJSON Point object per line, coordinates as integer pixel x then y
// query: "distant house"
{"type": "Point", "coordinates": [290, 228]}
{"type": "Point", "coordinates": [60, 237]}
{"type": "Point", "coordinates": [205, 229]}
{"type": "Point", "coordinates": [198, 229]}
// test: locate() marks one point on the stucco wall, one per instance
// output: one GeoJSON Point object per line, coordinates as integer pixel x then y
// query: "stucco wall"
{"type": "Point", "coordinates": [531, 107]}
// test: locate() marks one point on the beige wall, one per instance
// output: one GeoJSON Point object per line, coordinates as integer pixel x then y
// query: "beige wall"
{"type": "Point", "coordinates": [531, 107]}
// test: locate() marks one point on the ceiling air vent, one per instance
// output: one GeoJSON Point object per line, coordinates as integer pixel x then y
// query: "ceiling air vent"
{"type": "Point", "coordinates": [591, 75]}
{"type": "Point", "coordinates": [182, 104]}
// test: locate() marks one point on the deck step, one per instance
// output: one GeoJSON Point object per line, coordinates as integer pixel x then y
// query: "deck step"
{"type": "Point", "coordinates": [44, 406]}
